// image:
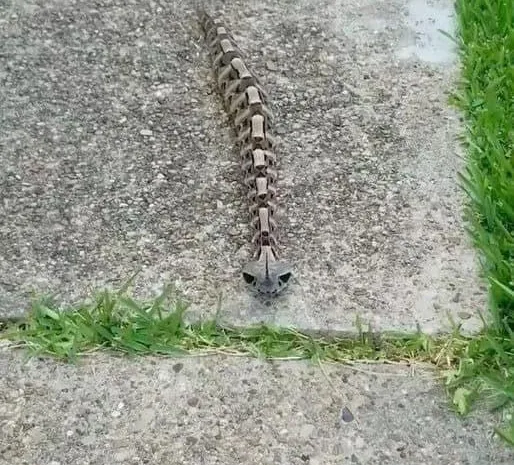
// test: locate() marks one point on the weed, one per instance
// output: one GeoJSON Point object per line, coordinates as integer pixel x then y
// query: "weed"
{"type": "Point", "coordinates": [486, 97]}
{"type": "Point", "coordinates": [115, 321]}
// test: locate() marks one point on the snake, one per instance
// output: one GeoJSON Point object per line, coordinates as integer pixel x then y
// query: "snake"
{"type": "Point", "coordinates": [246, 103]}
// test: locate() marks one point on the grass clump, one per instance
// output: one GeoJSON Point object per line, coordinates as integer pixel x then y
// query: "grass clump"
{"type": "Point", "coordinates": [486, 97]}
{"type": "Point", "coordinates": [116, 321]}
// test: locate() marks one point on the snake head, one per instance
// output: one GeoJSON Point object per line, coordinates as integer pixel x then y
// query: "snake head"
{"type": "Point", "coordinates": [267, 277]}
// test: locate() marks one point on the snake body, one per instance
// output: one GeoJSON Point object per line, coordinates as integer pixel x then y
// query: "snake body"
{"type": "Point", "coordinates": [245, 101]}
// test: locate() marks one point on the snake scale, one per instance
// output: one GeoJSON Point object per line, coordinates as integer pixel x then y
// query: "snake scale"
{"type": "Point", "coordinates": [245, 101]}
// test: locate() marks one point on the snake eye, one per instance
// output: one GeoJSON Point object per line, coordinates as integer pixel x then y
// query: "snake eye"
{"type": "Point", "coordinates": [284, 278]}
{"type": "Point", "coordinates": [249, 279]}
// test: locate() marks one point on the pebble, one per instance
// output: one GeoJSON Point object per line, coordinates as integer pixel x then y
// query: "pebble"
{"type": "Point", "coordinates": [178, 367]}
{"type": "Point", "coordinates": [193, 401]}
{"type": "Point", "coordinates": [146, 132]}
{"type": "Point", "coordinates": [346, 415]}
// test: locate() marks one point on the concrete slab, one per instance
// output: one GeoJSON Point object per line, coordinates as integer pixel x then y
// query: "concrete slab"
{"type": "Point", "coordinates": [116, 155]}
{"type": "Point", "coordinates": [217, 410]}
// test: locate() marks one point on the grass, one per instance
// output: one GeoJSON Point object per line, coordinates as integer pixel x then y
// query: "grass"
{"type": "Point", "coordinates": [117, 322]}
{"type": "Point", "coordinates": [486, 98]}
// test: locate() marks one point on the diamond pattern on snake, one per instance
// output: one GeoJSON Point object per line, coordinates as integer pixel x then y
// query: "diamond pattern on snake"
{"type": "Point", "coordinates": [245, 101]}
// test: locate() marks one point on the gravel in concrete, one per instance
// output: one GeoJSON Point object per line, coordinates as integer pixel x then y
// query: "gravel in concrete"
{"type": "Point", "coordinates": [217, 410]}
{"type": "Point", "coordinates": [116, 155]}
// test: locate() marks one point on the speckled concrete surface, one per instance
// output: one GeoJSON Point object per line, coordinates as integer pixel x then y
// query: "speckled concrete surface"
{"type": "Point", "coordinates": [231, 411]}
{"type": "Point", "coordinates": [116, 155]}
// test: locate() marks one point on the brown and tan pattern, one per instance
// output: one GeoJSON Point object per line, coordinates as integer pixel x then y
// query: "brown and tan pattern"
{"type": "Point", "coordinates": [246, 103]}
